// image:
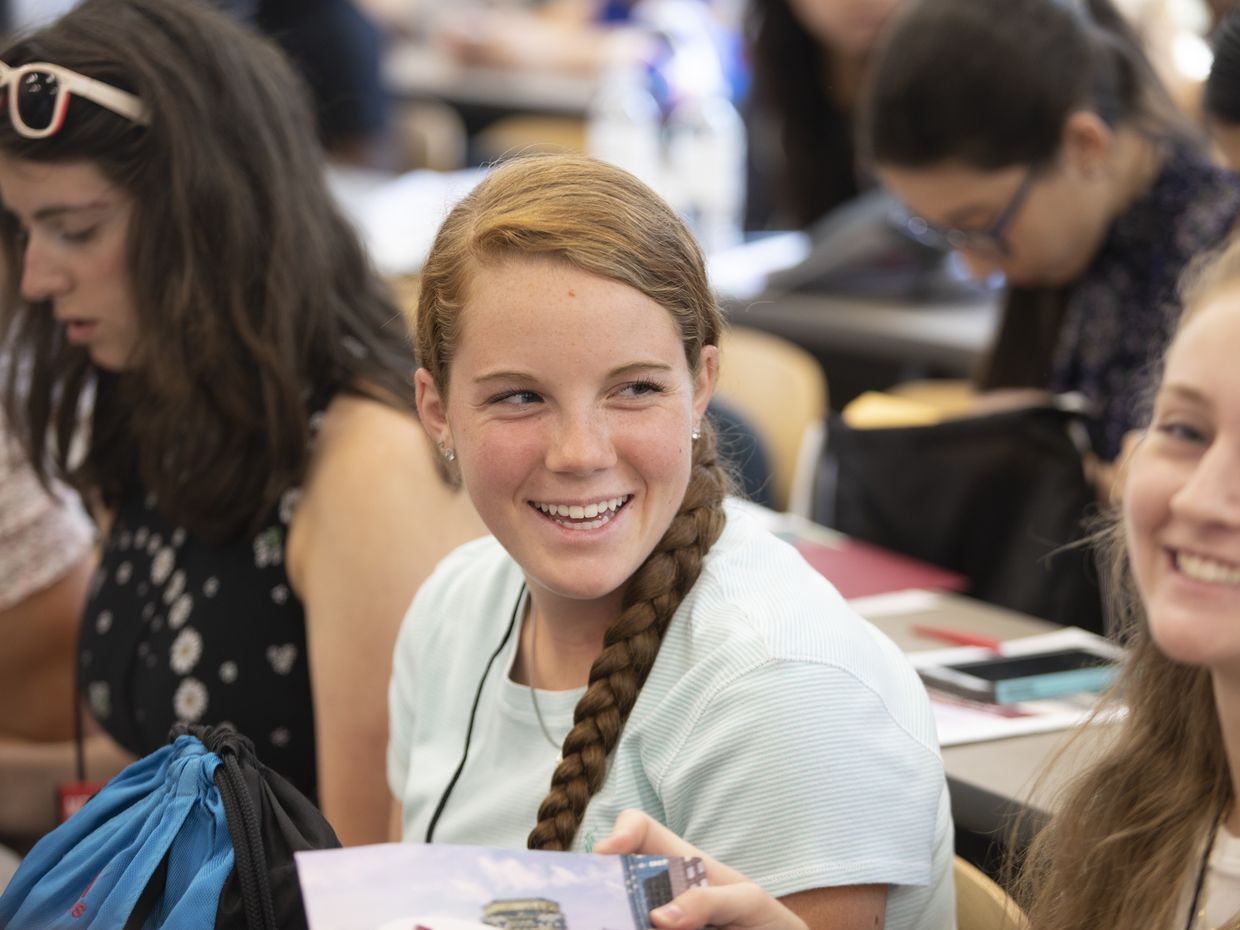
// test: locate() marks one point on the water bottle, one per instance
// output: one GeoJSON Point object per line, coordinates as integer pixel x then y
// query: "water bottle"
{"type": "Point", "coordinates": [624, 123]}
{"type": "Point", "coordinates": [706, 155]}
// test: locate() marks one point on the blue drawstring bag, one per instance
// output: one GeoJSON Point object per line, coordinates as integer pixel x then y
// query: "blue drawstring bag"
{"type": "Point", "coordinates": [198, 834]}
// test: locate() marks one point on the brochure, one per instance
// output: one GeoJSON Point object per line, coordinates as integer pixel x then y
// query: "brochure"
{"type": "Point", "coordinates": [415, 886]}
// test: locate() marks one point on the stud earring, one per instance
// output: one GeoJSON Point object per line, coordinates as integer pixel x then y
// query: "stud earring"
{"type": "Point", "coordinates": [449, 455]}
{"type": "Point", "coordinates": [697, 433]}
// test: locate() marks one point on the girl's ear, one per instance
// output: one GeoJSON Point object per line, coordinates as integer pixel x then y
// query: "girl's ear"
{"type": "Point", "coordinates": [704, 381]}
{"type": "Point", "coordinates": [432, 409]}
{"type": "Point", "coordinates": [1087, 143]}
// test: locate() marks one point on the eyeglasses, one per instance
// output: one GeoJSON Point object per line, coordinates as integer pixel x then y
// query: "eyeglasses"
{"type": "Point", "coordinates": [39, 97]}
{"type": "Point", "coordinates": [990, 242]}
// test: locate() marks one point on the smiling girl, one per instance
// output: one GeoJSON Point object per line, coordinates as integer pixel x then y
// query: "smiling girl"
{"type": "Point", "coordinates": [628, 638]}
{"type": "Point", "coordinates": [1150, 836]}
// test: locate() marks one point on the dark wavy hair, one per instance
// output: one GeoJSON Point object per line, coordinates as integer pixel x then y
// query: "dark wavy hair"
{"type": "Point", "coordinates": [1221, 100]}
{"type": "Point", "coordinates": [990, 83]}
{"type": "Point", "coordinates": [254, 297]}
{"type": "Point", "coordinates": [815, 138]}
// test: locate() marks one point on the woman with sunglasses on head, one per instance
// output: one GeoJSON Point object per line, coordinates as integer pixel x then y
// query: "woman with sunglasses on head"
{"type": "Point", "coordinates": [178, 272]}
{"type": "Point", "coordinates": [1148, 834]}
{"type": "Point", "coordinates": [629, 637]}
{"type": "Point", "coordinates": [1033, 136]}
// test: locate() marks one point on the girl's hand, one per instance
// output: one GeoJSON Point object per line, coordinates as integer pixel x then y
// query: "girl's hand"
{"type": "Point", "coordinates": [729, 902]}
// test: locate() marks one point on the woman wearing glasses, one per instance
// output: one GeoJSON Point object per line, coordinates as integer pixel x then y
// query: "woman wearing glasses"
{"type": "Point", "coordinates": [1032, 136]}
{"type": "Point", "coordinates": [178, 273]}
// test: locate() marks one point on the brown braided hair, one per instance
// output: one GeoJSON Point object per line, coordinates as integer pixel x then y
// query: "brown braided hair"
{"type": "Point", "coordinates": [630, 646]}
{"type": "Point", "coordinates": [604, 221]}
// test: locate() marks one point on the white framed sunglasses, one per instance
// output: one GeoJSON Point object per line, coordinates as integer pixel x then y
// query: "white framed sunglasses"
{"type": "Point", "coordinates": [38, 97]}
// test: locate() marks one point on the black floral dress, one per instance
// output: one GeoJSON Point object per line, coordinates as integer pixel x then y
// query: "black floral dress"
{"type": "Point", "coordinates": [180, 629]}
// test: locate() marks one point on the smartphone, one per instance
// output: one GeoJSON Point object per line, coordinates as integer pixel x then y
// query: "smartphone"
{"type": "Point", "coordinates": [1008, 679]}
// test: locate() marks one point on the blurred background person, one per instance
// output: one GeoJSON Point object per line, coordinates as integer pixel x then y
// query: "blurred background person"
{"type": "Point", "coordinates": [808, 60]}
{"type": "Point", "coordinates": [1221, 101]}
{"type": "Point", "coordinates": [1069, 172]}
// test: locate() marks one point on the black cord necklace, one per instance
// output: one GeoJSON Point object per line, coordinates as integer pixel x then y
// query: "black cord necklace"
{"type": "Point", "coordinates": [473, 712]}
{"type": "Point", "coordinates": [1197, 906]}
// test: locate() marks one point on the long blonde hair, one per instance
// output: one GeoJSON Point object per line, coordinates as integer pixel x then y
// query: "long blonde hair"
{"type": "Point", "coordinates": [1128, 832]}
{"type": "Point", "coordinates": [604, 221]}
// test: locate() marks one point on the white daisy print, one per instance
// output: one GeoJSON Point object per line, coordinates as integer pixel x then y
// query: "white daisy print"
{"type": "Point", "coordinates": [211, 586]}
{"type": "Point", "coordinates": [186, 651]}
{"type": "Point", "coordinates": [100, 697]}
{"type": "Point", "coordinates": [288, 504]}
{"type": "Point", "coordinates": [162, 565]}
{"type": "Point", "coordinates": [267, 548]}
{"type": "Point", "coordinates": [282, 658]}
{"type": "Point", "coordinates": [279, 593]}
{"type": "Point", "coordinates": [140, 535]}
{"type": "Point", "coordinates": [190, 701]}
{"type": "Point", "coordinates": [176, 584]}
{"type": "Point", "coordinates": [178, 537]}
{"type": "Point", "coordinates": [124, 572]}
{"type": "Point", "coordinates": [153, 544]}
{"type": "Point", "coordinates": [103, 622]}
{"type": "Point", "coordinates": [280, 737]}
{"type": "Point", "coordinates": [180, 611]}
{"type": "Point", "coordinates": [228, 672]}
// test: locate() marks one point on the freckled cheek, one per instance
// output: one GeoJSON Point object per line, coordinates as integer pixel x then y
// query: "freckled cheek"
{"type": "Point", "coordinates": [666, 463]}
{"type": "Point", "coordinates": [498, 455]}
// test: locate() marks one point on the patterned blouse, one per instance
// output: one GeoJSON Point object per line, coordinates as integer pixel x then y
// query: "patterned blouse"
{"type": "Point", "coordinates": [178, 629]}
{"type": "Point", "coordinates": [1123, 310]}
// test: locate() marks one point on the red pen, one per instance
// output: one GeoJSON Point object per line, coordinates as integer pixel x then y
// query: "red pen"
{"type": "Point", "coordinates": [959, 637]}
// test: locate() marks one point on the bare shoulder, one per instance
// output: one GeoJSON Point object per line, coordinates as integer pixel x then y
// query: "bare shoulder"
{"type": "Point", "coordinates": [367, 452]}
{"type": "Point", "coordinates": [372, 477]}
{"type": "Point", "coordinates": [354, 427]}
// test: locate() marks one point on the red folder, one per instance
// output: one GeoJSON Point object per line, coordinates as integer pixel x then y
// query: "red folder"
{"type": "Point", "coordinates": [859, 569]}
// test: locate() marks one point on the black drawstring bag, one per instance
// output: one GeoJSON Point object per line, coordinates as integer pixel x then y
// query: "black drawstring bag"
{"type": "Point", "coordinates": [268, 820]}
{"type": "Point", "coordinates": [999, 498]}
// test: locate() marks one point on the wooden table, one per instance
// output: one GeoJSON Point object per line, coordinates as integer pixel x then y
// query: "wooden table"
{"type": "Point", "coordinates": [992, 782]}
